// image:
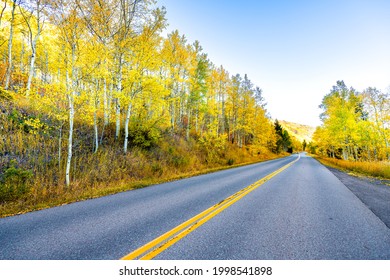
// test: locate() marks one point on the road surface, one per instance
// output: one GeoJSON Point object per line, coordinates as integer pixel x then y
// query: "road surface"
{"type": "Point", "coordinates": [303, 212]}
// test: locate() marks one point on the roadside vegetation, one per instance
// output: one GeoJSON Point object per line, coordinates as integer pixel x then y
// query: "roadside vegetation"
{"type": "Point", "coordinates": [33, 158]}
{"type": "Point", "coordinates": [94, 100]}
{"type": "Point", "coordinates": [372, 169]}
{"type": "Point", "coordinates": [355, 131]}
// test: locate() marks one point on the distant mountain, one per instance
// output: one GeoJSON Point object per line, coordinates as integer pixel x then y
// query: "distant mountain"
{"type": "Point", "coordinates": [299, 131]}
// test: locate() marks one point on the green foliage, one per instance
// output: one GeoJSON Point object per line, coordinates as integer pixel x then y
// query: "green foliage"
{"type": "Point", "coordinates": [14, 182]}
{"type": "Point", "coordinates": [283, 142]}
{"type": "Point", "coordinates": [304, 144]}
{"type": "Point", "coordinates": [26, 122]}
{"type": "Point", "coordinates": [143, 135]}
{"type": "Point", "coordinates": [230, 161]}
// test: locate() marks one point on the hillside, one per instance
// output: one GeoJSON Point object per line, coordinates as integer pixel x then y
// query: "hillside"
{"type": "Point", "coordinates": [89, 116]}
{"type": "Point", "coordinates": [299, 131]}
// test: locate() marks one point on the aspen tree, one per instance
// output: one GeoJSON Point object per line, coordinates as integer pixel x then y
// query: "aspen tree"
{"type": "Point", "coordinates": [70, 27]}
{"type": "Point", "coordinates": [33, 15]}
{"type": "Point", "coordinates": [10, 41]}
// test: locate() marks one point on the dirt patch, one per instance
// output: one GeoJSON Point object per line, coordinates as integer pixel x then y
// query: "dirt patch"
{"type": "Point", "coordinates": [374, 193]}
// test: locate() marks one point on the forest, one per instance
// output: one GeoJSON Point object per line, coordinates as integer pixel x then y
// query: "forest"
{"type": "Point", "coordinates": [96, 99]}
{"type": "Point", "coordinates": [355, 124]}
{"type": "Point", "coordinates": [355, 130]}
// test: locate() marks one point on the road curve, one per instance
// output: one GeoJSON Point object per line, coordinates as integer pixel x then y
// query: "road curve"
{"type": "Point", "coordinates": [304, 212]}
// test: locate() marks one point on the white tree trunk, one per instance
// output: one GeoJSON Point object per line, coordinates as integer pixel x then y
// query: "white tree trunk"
{"type": "Point", "coordinates": [95, 126]}
{"type": "Point", "coordinates": [70, 138]}
{"type": "Point", "coordinates": [127, 128]}
{"type": "Point", "coordinates": [188, 125]}
{"type": "Point", "coordinates": [59, 147]}
{"type": "Point", "coordinates": [105, 102]}
{"type": "Point", "coordinates": [71, 87]}
{"type": "Point", "coordinates": [118, 118]}
{"type": "Point", "coordinates": [31, 72]}
{"type": "Point", "coordinates": [118, 105]}
{"type": "Point", "coordinates": [11, 34]}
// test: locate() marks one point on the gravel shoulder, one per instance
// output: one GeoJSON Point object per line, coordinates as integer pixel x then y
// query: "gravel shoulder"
{"type": "Point", "coordinates": [374, 193]}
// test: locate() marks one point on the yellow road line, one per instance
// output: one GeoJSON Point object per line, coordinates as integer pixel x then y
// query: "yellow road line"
{"type": "Point", "coordinates": [161, 243]}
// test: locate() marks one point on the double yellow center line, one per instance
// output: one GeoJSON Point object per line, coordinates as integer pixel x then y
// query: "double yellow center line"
{"type": "Point", "coordinates": [163, 242]}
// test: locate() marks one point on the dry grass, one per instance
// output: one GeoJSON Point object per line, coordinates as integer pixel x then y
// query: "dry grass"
{"type": "Point", "coordinates": [45, 196]}
{"type": "Point", "coordinates": [374, 169]}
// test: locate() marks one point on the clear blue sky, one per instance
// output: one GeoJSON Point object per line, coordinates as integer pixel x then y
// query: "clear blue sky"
{"type": "Point", "coordinates": [294, 50]}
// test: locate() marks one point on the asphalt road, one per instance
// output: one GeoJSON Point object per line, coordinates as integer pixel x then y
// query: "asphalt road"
{"type": "Point", "coordinates": [304, 212]}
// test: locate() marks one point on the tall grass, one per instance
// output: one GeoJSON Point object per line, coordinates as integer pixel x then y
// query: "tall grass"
{"type": "Point", "coordinates": [379, 169]}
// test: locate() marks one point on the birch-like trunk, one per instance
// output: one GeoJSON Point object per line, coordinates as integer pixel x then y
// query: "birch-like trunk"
{"type": "Point", "coordinates": [59, 147]}
{"type": "Point", "coordinates": [70, 137]}
{"type": "Point", "coordinates": [105, 102]}
{"type": "Point", "coordinates": [21, 66]}
{"type": "Point", "coordinates": [118, 105]}
{"type": "Point", "coordinates": [386, 143]}
{"type": "Point", "coordinates": [345, 153]}
{"type": "Point", "coordinates": [31, 71]}
{"type": "Point", "coordinates": [188, 125]}
{"type": "Point", "coordinates": [223, 115]}
{"type": "Point", "coordinates": [11, 35]}
{"type": "Point", "coordinates": [32, 60]}
{"type": "Point", "coordinates": [95, 126]}
{"type": "Point", "coordinates": [128, 113]}
{"type": "Point", "coordinates": [71, 87]}
{"type": "Point", "coordinates": [118, 118]}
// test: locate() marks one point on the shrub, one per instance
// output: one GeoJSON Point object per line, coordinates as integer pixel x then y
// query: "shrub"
{"type": "Point", "coordinates": [14, 182]}
{"type": "Point", "coordinates": [213, 146]}
{"type": "Point", "coordinates": [5, 94]}
{"type": "Point", "coordinates": [230, 161]}
{"type": "Point", "coordinates": [157, 169]}
{"type": "Point", "coordinates": [143, 136]}
{"type": "Point", "coordinates": [180, 161]}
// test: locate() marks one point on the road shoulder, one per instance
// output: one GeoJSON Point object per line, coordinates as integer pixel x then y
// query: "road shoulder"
{"type": "Point", "coordinates": [374, 193]}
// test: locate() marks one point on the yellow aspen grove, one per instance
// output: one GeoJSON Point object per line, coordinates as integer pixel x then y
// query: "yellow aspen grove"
{"type": "Point", "coordinates": [96, 98]}
{"type": "Point", "coordinates": [144, 59]}
{"type": "Point", "coordinates": [355, 125]}
{"type": "Point", "coordinates": [33, 15]}
{"type": "Point", "coordinates": [68, 21]}
{"type": "Point", "coordinates": [176, 59]}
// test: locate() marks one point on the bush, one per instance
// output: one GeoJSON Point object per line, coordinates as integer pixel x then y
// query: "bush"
{"type": "Point", "coordinates": [230, 161]}
{"type": "Point", "coordinates": [157, 169]}
{"type": "Point", "coordinates": [5, 94]}
{"type": "Point", "coordinates": [180, 161]}
{"type": "Point", "coordinates": [213, 146]}
{"type": "Point", "coordinates": [14, 182]}
{"type": "Point", "coordinates": [143, 136]}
